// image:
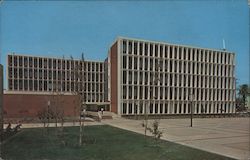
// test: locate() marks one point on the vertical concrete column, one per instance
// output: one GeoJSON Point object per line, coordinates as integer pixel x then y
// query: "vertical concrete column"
{"type": "Point", "coordinates": [163, 107]}
{"type": "Point", "coordinates": [182, 107]}
{"type": "Point", "coordinates": [232, 107]}
{"type": "Point", "coordinates": [127, 107]}
{"type": "Point", "coordinates": [143, 106]}
{"type": "Point", "coordinates": [133, 107]}
{"type": "Point", "coordinates": [154, 107]}
{"type": "Point", "coordinates": [212, 107]}
{"type": "Point", "coordinates": [168, 107]}
{"type": "Point", "coordinates": [178, 106]}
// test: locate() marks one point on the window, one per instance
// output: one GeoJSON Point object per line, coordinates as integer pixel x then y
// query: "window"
{"type": "Point", "coordinates": [20, 73]}
{"type": "Point", "coordinates": [10, 84]}
{"type": "Point", "coordinates": [130, 92]}
{"type": "Point", "coordinates": [124, 92]}
{"type": "Point", "coordinates": [146, 64]}
{"type": "Point", "coordinates": [135, 48]}
{"type": "Point", "coordinates": [50, 63]}
{"type": "Point", "coordinates": [35, 62]}
{"type": "Point", "coordinates": [166, 51]}
{"type": "Point", "coordinates": [130, 77]}
{"type": "Point", "coordinates": [189, 53]}
{"type": "Point", "coordinates": [124, 46]}
{"type": "Point", "coordinates": [25, 62]}
{"type": "Point", "coordinates": [25, 73]}
{"type": "Point", "coordinates": [156, 50]}
{"type": "Point", "coordinates": [20, 84]}
{"type": "Point", "coordinates": [10, 72]}
{"type": "Point", "coordinates": [40, 63]}
{"type": "Point", "coordinates": [151, 50]}
{"type": "Point", "coordinates": [129, 47]}
{"type": "Point", "coordinates": [15, 61]}
{"type": "Point", "coordinates": [20, 61]}
{"type": "Point", "coordinates": [30, 62]}
{"type": "Point", "coordinates": [140, 49]}
{"type": "Point", "coordinates": [161, 51]}
{"type": "Point", "coordinates": [135, 63]}
{"type": "Point", "coordinates": [180, 52]}
{"type": "Point", "coordinates": [170, 52]}
{"type": "Point", "coordinates": [135, 92]}
{"type": "Point", "coordinates": [146, 49]}
{"type": "Point", "coordinates": [129, 62]}
{"type": "Point", "coordinates": [124, 110]}
{"type": "Point", "coordinates": [10, 60]}
{"type": "Point", "coordinates": [135, 77]}
{"type": "Point", "coordinates": [59, 64]}
{"type": "Point", "coordinates": [175, 52]}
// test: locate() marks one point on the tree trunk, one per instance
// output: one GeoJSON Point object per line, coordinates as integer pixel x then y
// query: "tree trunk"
{"type": "Point", "coordinates": [80, 134]}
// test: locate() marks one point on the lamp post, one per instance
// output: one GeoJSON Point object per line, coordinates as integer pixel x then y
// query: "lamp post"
{"type": "Point", "coordinates": [191, 109]}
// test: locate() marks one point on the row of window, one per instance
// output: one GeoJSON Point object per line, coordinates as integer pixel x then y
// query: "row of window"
{"type": "Point", "coordinates": [23, 61]}
{"type": "Point", "coordinates": [152, 64]}
{"type": "Point", "coordinates": [176, 52]}
{"type": "Point", "coordinates": [59, 75]}
{"type": "Point", "coordinates": [177, 108]}
{"type": "Point", "coordinates": [173, 93]}
{"type": "Point", "coordinates": [183, 80]}
{"type": "Point", "coordinates": [39, 85]}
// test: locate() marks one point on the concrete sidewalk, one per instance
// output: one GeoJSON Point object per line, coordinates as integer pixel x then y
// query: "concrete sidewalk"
{"type": "Point", "coordinates": [66, 124]}
{"type": "Point", "coordinates": [226, 136]}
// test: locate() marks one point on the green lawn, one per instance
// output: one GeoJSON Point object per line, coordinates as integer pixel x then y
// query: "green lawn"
{"type": "Point", "coordinates": [102, 142]}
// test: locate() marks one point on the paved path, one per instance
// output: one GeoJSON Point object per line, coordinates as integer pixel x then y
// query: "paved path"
{"type": "Point", "coordinates": [226, 136]}
{"type": "Point", "coordinates": [66, 124]}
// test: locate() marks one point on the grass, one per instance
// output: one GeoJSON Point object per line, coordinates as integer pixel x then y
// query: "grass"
{"type": "Point", "coordinates": [101, 143]}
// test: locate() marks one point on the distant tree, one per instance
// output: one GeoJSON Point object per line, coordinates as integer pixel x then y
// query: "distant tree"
{"type": "Point", "coordinates": [239, 104]}
{"type": "Point", "coordinates": [244, 91]}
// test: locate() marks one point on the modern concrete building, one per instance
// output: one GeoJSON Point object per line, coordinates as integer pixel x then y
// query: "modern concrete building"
{"type": "Point", "coordinates": [39, 78]}
{"type": "Point", "coordinates": [29, 74]}
{"type": "Point", "coordinates": [163, 79]}
{"type": "Point", "coordinates": [138, 77]}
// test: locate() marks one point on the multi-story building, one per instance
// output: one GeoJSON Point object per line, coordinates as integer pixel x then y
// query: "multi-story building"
{"type": "Point", "coordinates": [36, 75]}
{"type": "Point", "coordinates": [138, 77]}
{"type": "Point", "coordinates": [161, 78]}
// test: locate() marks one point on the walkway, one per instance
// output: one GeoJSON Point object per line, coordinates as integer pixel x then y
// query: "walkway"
{"type": "Point", "coordinates": [226, 136]}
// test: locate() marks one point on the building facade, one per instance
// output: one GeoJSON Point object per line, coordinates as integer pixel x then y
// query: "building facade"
{"type": "Point", "coordinates": [42, 75]}
{"type": "Point", "coordinates": [137, 77]}
{"type": "Point", "coordinates": [160, 78]}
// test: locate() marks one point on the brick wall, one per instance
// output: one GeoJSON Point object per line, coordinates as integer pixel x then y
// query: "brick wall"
{"type": "Point", "coordinates": [113, 62]}
{"type": "Point", "coordinates": [27, 105]}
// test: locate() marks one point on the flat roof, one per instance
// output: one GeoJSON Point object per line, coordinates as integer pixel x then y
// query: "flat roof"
{"type": "Point", "coordinates": [166, 43]}
{"type": "Point", "coordinates": [36, 56]}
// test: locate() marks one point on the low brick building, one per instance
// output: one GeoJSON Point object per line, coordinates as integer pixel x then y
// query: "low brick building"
{"type": "Point", "coordinates": [29, 105]}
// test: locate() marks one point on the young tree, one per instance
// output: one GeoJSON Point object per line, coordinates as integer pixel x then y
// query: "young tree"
{"type": "Point", "coordinates": [42, 116]}
{"type": "Point", "coordinates": [156, 80]}
{"type": "Point", "coordinates": [80, 106]}
{"type": "Point", "coordinates": [155, 130]}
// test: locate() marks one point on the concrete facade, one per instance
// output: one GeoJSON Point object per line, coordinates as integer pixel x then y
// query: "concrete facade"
{"type": "Point", "coordinates": [138, 77]}
{"type": "Point", "coordinates": [29, 74]}
{"type": "Point", "coordinates": [161, 78]}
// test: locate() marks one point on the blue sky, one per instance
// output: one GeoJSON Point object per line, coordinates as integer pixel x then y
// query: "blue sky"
{"type": "Point", "coordinates": [69, 28]}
